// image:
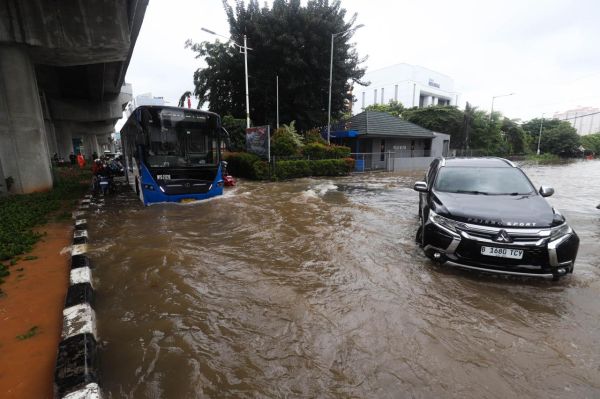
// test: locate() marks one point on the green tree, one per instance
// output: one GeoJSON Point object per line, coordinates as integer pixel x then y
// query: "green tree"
{"type": "Point", "coordinates": [515, 136]}
{"type": "Point", "coordinates": [441, 119]}
{"type": "Point", "coordinates": [561, 139]}
{"type": "Point", "coordinates": [237, 132]}
{"type": "Point", "coordinates": [532, 130]}
{"type": "Point", "coordinates": [289, 40]}
{"type": "Point", "coordinates": [591, 142]}
{"type": "Point", "coordinates": [485, 134]}
{"type": "Point", "coordinates": [184, 97]}
{"type": "Point", "coordinates": [393, 107]}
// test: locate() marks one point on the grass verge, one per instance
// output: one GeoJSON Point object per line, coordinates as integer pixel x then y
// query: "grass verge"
{"type": "Point", "coordinates": [21, 213]}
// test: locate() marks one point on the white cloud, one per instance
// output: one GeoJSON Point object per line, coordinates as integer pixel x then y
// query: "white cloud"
{"type": "Point", "coordinates": [544, 51]}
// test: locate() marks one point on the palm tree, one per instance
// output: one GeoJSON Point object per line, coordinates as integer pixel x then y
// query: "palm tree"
{"type": "Point", "coordinates": [183, 97]}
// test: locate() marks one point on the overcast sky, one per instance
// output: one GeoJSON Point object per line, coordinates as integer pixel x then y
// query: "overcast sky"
{"type": "Point", "coordinates": [546, 51]}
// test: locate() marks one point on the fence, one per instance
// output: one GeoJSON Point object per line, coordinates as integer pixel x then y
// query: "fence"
{"type": "Point", "coordinates": [389, 161]}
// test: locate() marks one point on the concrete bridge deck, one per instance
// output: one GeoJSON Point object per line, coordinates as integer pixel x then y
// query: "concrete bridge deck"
{"type": "Point", "coordinates": [62, 71]}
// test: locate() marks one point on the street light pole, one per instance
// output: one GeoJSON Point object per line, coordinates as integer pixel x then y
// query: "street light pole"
{"type": "Point", "coordinates": [277, 87]}
{"type": "Point", "coordinates": [333, 35]}
{"type": "Point", "coordinates": [246, 48]}
{"type": "Point", "coordinates": [540, 135]}
{"type": "Point", "coordinates": [330, 83]}
{"type": "Point", "coordinates": [495, 97]}
{"type": "Point", "coordinates": [247, 94]}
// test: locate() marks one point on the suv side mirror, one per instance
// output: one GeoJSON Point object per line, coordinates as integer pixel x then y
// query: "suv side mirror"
{"type": "Point", "coordinates": [421, 187]}
{"type": "Point", "coordinates": [546, 191]}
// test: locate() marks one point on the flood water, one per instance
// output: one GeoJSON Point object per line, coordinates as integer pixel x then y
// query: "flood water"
{"type": "Point", "coordinates": [316, 288]}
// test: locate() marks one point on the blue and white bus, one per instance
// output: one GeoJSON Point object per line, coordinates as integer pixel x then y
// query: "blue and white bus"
{"type": "Point", "coordinates": [173, 154]}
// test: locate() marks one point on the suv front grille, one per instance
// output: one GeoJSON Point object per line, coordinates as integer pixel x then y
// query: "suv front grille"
{"type": "Point", "coordinates": [471, 251]}
{"type": "Point", "coordinates": [520, 236]}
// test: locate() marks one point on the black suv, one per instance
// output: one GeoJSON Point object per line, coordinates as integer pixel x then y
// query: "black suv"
{"type": "Point", "coordinates": [485, 214]}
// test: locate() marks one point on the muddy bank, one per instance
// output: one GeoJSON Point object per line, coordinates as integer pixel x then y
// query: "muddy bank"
{"type": "Point", "coordinates": [31, 308]}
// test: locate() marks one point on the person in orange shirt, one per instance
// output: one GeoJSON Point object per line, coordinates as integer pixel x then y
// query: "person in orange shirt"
{"type": "Point", "coordinates": [81, 160]}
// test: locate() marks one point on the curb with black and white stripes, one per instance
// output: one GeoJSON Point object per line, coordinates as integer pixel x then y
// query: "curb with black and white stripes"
{"type": "Point", "coordinates": [76, 374]}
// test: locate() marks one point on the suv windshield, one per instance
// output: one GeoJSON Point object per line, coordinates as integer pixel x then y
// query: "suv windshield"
{"type": "Point", "coordinates": [492, 181]}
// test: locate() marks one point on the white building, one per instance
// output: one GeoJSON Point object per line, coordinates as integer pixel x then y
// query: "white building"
{"type": "Point", "coordinates": [412, 85]}
{"type": "Point", "coordinates": [585, 119]}
{"type": "Point", "coordinates": [143, 99]}
{"type": "Point", "coordinates": [137, 101]}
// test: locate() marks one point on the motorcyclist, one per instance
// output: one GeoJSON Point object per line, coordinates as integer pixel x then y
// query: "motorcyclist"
{"type": "Point", "coordinates": [98, 169]}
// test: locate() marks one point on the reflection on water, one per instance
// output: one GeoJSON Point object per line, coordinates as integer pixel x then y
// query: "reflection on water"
{"type": "Point", "coordinates": [315, 288]}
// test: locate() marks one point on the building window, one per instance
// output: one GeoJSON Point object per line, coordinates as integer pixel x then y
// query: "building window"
{"type": "Point", "coordinates": [382, 100]}
{"type": "Point", "coordinates": [363, 100]}
{"type": "Point", "coordinates": [396, 93]}
{"type": "Point", "coordinates": [375, 97]}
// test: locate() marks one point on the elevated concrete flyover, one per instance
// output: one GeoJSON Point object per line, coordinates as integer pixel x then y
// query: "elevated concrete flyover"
{"type": "Point", "coordinates": [62, 71]}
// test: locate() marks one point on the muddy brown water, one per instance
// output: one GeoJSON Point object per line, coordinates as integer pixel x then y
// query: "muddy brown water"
{"type": "Point", "coordinates": [315, 288]}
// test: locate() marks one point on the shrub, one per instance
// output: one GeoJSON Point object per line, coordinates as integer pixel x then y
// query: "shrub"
{"type": "Point", "coordinates": [323, 151]}
{"type": "Point", "coordinates": [286, 141]}
{"type": "Point", "coordinates": [313, 136]}
{"type": "Point", "coordinates": [261, 170]}
{"type": "Point", "coordinates": [245, 164]}
{"type": "Point", "coordinates": [340, 151]}
{"type": "Point", "coordinates": [303, 168]}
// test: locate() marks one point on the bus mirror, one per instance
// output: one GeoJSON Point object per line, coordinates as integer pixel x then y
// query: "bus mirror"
{"type": "Point", "coordinates": [226, 137]}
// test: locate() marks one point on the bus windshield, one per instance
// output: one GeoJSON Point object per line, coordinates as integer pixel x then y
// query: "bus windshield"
{"type": "Point", "coordinates": [178, 139]}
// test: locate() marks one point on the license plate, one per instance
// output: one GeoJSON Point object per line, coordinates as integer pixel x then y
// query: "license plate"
{"type": "Point", "coordinates": [187, 200]}
{"type": "Point", "coordinates": [502, 252]}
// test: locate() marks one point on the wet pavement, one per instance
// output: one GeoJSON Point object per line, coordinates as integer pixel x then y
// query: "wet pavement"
{"type": "Point", "coordinates": [316, 288]}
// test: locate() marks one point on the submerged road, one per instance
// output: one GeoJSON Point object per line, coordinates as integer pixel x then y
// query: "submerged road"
{"type": "Point", "coordinates": [316, 288]}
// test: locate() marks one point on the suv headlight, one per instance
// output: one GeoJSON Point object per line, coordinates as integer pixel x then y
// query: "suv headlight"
{"type": "Point", "coordinates": [560, 231]}
{"type": "Point", "coordinates": [446, 223]}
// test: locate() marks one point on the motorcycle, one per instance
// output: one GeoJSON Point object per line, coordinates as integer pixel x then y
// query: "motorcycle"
{"type": "Point", "coordinates": [104, 184]}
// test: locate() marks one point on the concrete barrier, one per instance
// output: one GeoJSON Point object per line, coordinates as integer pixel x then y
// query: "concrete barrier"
{"type": "Point", "coordinates": [76, 373]}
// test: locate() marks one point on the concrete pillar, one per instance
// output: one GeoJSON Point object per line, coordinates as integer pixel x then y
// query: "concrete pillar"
{"type": "Point", "coordinates": [95, 146]}
{"type": "Point", "coordinates": [89, 145]}
{"type": "Point", "coordinates": [3, 188]}
{"type": "Point", "coordinates": [23, 143]}
{"type": "Point", "coordinates": [435, 101]}
{"type": "Point", "coordinates": [103, 142]}
{"type": "Point", "coordinates": [51, 137]}
{"type": "Point", "coordinates": [64, 139]}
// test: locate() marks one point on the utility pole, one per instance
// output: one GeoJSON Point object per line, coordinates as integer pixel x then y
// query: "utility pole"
{"type": "Point", "coordinates": [277, 85]}
{"type": "Point", "coordinates": [540, 135]}
{"type": "Point", "coordinates": [495, 97]}
{"type": "Point", "coordinates": [247, 95]}
{"type": "Point", "coordinates": [245, 49]}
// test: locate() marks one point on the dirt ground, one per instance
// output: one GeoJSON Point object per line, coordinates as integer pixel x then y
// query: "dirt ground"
{"type": "Point", "coordinates": [33, 300]}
